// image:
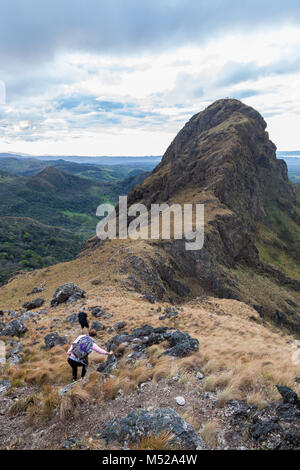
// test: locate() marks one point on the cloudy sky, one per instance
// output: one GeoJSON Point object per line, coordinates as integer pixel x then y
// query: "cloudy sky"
{"type": "Point", "coordinates": [121, 77]}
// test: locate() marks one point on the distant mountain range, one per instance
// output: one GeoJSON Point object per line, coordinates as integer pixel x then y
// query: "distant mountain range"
{"type": "Point", "coordinates": [103, 160]}
{"type": "Point", "coordinates": [45, 217]}
{"type": "Point", "coordinates": [107, 168]}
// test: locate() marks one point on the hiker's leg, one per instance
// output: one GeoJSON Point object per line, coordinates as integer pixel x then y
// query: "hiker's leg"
{"type": "Point", "coordinates": [83, 371]}
{"type": "Point", "coordinates": [74, 366]}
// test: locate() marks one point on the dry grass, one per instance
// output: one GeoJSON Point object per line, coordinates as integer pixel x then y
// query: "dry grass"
{"type": "Point", "coordinates": [238, 356]}
{"type": "Point", "coordinates": [70, 402]}
{"type": "Point", "coordinates": [38, 407]}
{"type": "Point", "coordinates": [209, 433]}
{"type": "Point", "coordinates": [156, 442]}
{"type": "Point", "coordinates": [22, 404]}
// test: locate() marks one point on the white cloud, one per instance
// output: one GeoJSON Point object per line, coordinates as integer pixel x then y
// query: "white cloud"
{"type": "Point", "coordinates": [134, 104]}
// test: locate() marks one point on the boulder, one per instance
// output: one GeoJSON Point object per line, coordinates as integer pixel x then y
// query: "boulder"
{"type": "Point", "coordinates": [141, 338]}
{"type": "Point", "coordinates": [62, 391]}
{"type": "Point", "coordinates": [53, 339]}
{"type": "Point", "coordinates": [2, 325]}
{"type": "Point", "coordinates": [12, 313]}
{"type": "Point", "coordinates": [97, 312]}
{"type": "Point", "coordinates": [14, 328]}
{"type": "Point", "coordinates": [14, 359]}
{"type": "Point", "coordinates": [13, 353]}
{"type": "Point", "coordinates": [97, 326]}
{"type": "Point", "coordinates": [142, 423]}
{"type": "Point", "coordinates": [67, 292]}
{"type": "Point", "coordinates": [260, 430]}
{"type": "Point", "coordinates": [16, 349]}
{"type": "Point", "coordinates": [119, 325]}
{"type": "Point", "coordinates": [288, 395]}
{"type": "Point", "coordinates": [36, 290]}
{"type": "Point", "coordinates": [29, 315]}
{"type": "Point", "coordinates": [36, 303]}
{"type": "Point", "coordinates": [182, 344]}
{"type": "Point", "coordinates": [107, 366]}
{"type": "Point", "coordinates": [5, 385]}
{"type": "Point", "coordinates": [73, 318]}
{"type": "Point", "coordinates": [170, 312]}
{"type": "Point", "coordinates": [151, 298]}
{"type": "Point", "coordinates": [42, 312]}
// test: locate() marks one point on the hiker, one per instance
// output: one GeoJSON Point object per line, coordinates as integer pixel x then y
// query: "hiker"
{"type": "Point", "coordinates": [79, 351]}
{"type": "Point", "coordinates": [82, 318]}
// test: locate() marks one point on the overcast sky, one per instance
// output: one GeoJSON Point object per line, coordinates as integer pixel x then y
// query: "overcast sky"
{"type": "Point", "coordinates": [122, 77]}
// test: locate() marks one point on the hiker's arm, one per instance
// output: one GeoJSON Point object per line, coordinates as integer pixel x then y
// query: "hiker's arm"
{"type": "Point", "coordinates": [70, 350]}
{"type": "Point", "coordinates": [99, 350]}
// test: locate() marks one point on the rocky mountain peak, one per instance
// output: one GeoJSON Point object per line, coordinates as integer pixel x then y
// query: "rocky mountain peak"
{"type": "Point", "coordinates": [226, 150]}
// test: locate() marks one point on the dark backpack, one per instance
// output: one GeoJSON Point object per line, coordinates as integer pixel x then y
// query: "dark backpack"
{"type": "Point", "coordinates": [83, 347]}
{"type": "Point", "coordinates": [82, 317]}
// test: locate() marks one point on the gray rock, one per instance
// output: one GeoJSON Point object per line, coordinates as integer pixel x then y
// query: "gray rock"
{"type": "Point", "coordinates": [2, 325]}
{"type": "Point", "coordinates": [73, 318]}
{"type": "Point", "coordinates": [97, 312]}
{"type": "Point", "coordinates": [29, 315]}
{"type": "Point", "coordinates": [199, 376]}
{"type": "Point", "coordinates": [170, 312]}
{"type": "Point", "coordinates": [288, 395]}
{"type": "Point", "coordinates": [96, 325]}
{"type": "Point", "coordinates": [16, 349]}
{"type": "Point", "coordinates": [53, 339]}
{"type": "Point", "coordinates": [14, 328]}
{"type": "Point", "coordinates": [180, 401]}
{"type": "Point", "coordinates": [62, 391]}
{"type": "Point", "coordinates": [181, 343]}
{"type": "Point", "coordinates": [33, 304]}
{"type": "Point", "coordinates": [70, 444]}
{"type": "Point", "coordinates": [12, 313]}
{"type": "Point", "coordinates": [5, 385]}
{"type": "Point", "coordinates": [110, 364]}
{"type": "Point", "coordinates": [43, 312]}
{"type": "Point", "coordinates": [14, 359]}
{"type": "Point", "coordinates": [151, 298]}
{"type": "Point", "coordinates": [260, 430]}
{"type": "Point", "coordinates": [108, 315]}
{"type": "Point", "coordinates": [141, 423]}
{"type": "Point", "coordinates": [67, 292]}
{"type": "Point", "coordinates": [120, 325]}
{"type": "Point", "coordinates": [36, 290]}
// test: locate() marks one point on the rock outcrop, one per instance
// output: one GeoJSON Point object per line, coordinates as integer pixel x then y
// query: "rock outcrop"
{"type": "Point", "coordinates": [67, 293]}
{"type": "Point", "coordinates": [223, 158]}
{"type": "Point", "coordinates": [143, 423]}
{"type": "Point", "coordinates": [135, 344]}
{"type": "Point", "coordinates": [14, 328]}
{"type": "Point", "coordinates": [36, 303]}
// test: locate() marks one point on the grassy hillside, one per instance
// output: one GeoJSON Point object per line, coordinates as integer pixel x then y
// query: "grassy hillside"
{"type": "Point", "coordinates": [45, 219]}
{"type": "Point", "coordinates": [240, 357]}
{"type": "Point", "coordinates": [60, 199]}
{"type": "Point", "coordinates": [27, 244]}
{"type": "Point", "coordinates": [278, 239]}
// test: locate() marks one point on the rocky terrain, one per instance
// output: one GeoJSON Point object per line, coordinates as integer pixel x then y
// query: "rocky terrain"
{"type": "Point", "coordinates": [205, 351]}
{"type": "Point", "coordinates": [223, 158]}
